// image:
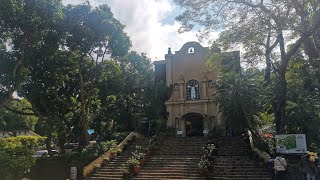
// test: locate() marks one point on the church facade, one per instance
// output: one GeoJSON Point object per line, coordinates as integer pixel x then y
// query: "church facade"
{"type": "Point", "coordinates": [192, 108]}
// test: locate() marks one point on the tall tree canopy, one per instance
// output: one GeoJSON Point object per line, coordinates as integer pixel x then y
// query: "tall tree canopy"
{"type": "Point", "coordinates": [55, 56]}
{"type": "Point", "coordinates": [24, 24]}
{"type": "Point", "coordinates": [92, 32]}
{"type": "Point", "coordinates": [264, 29]}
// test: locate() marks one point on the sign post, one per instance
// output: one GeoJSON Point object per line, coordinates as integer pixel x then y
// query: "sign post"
{"type": "Point", "coordinates": [73, 173]}
{"type": "Point", "coordinates": [179, 133]}
{"type": "Point", "coordinates": [291, 143]}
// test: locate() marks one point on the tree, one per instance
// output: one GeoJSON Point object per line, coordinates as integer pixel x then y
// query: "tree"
{"type": "Point", "coordinates": [110, 84]}
{"type": "Point", "coordinates": [52, 90]}
{"type": "Point", "coordinates": [137, 73]}
{"type": "Point", "coordinates": [92, 32]}
{"type": "Point", "coordinates": [17, 115]}
{"type": "Point", "coordinates": [23, 24]}
{"type": "Point", "coordinates": [277, 22]}
{"type": "Point", "coordinates": [158, 95]}
{"type": "Point", "coordinates": [239, 100]}
{"type": "Point", "coordinates": [303, 100]}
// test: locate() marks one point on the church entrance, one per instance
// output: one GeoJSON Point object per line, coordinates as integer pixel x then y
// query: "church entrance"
{"type": "Point", "coordinates": [193, 124]}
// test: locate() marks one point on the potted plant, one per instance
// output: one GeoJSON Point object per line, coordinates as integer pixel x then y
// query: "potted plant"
{"type": "Point", "coordinates": [142, 161]}
{"type": "Point", "coordinates": [125, 171]}
{"type": "Point", "coordinates": [203, 166]}
{"type": "Point", "coordinates": [141, 157]}
{"type": "Point", "coordinates": [136, 170]}
{"type": "Point", "coordinates": [132, 163]}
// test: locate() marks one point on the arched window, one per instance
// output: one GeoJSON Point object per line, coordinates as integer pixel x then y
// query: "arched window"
{"type": "Point", "coordinates": [193, 90]}
{"type": "Point", "coordinates": [191, 50]}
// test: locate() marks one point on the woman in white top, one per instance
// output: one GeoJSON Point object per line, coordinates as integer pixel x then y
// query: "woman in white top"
{"type": "Point", "coordinates": [280, 166]}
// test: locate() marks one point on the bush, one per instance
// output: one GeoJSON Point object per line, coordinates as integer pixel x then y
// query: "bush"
{"type": "Point", "coordinates": [90, 153]}
{"type": "Point", "coordinates": [97, 149]}
{"type": "Point", "coordinates": [16, 156]}
{"type": "Point", "coordinates": [264, 144]}
{"type": "Point", "coordinates": [118, 136]}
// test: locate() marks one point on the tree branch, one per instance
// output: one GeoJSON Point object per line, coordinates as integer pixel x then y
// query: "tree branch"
{"type": "Point", "coordinates": [303, 37]}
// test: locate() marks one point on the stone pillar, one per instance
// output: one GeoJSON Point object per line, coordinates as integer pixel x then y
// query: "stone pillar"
{"type": "Point", "coordinates": [183, 127]}
{"type": "Point", "coordinates": [181, 91]}
{"type": "Point", "coordinates": [181, 109]}
{"type": "Point", "coordinates": [204, 89]}
{"type": "Point", "coordinates": [205, 122]}
{"type": "Point", "coordinates": [181, 88]}
{"type": "Point", "coordinates": [169, 71]}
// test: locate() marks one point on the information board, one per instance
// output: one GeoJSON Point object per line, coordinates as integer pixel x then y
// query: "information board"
{"type": "Point", "coordinates": [179, 132]}
{"type": "Point", "coordinates": [291, 143]}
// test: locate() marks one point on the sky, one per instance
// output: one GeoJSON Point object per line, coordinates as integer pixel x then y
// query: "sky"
{"type": "Point", "coordinates": [150, 24]}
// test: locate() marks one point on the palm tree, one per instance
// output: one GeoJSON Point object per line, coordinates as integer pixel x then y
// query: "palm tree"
{"type": "Point", "coordinates": [237, 97]}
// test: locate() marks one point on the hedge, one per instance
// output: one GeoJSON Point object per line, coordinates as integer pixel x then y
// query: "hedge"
{"type": "Point", "coordinates": [16, 155]}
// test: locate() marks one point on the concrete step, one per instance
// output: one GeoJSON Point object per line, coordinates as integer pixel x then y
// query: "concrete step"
{"type": "Point", "coordinates": [172, 178]}
{"type": "Point", "coordinates": [176, 159]}
{"type": "Point", "coordinates": [105, 178]}
{"type": "Point", "coordinates": [232, 162]}
{"type": "Point", "coordinates": [239, 178]}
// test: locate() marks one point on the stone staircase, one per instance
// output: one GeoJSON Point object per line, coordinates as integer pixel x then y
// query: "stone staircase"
{"type": "Point", "coordinates": [233, 162]}
{"type": "Point", "coordinates": [113, 169]}
{"type": "Point", "coordinates": [177, 158]}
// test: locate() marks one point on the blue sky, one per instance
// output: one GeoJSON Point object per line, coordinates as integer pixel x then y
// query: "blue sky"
{"type": "Point", "coordinates": [150, 24]}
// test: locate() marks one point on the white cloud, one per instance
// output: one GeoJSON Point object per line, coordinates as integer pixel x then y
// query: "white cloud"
{"type": "Point", "coordinates": [144, 24]}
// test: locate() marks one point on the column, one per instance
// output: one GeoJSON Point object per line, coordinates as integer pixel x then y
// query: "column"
{"type": "Point", "coordinates": [169, 71]}
{"type": "Point", "coordinates": [204, 89]}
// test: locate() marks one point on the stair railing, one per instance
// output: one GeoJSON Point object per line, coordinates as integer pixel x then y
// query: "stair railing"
{"type": "Point", "coordinates": [87, 170]}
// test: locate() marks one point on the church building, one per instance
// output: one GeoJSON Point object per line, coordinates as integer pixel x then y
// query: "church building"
{"type": "Point", "coordinates": [192, 109]}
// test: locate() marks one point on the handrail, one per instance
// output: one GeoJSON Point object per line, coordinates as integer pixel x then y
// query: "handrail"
{"type": "Point", "coordinates": [87, 170]}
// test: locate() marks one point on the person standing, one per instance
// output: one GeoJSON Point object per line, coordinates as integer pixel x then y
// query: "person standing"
{"type": "Point", "coordinates": [280, 166]}
{"type": "Point", "coordinates": [308, 167]}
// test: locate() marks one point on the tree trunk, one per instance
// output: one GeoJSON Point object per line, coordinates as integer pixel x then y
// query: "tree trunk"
{"type": "Point", "coordinates": [311, 48]}
{"type": "Point", "coordinates": [267, 73]}
{"type": "Point", "coordinates": [12, 87]}
{"type": "Point", "coordinates": [48, 142]}
{"type": "Point", "coordinates": [84, 139]}
{"type": "Point", "coordinates": [61, 141]}
{"type": "Point", "coordinates": [280, 100]}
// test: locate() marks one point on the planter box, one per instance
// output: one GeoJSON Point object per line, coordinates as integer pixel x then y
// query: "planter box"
{"type": "Point", "coordinates": [136, 170]}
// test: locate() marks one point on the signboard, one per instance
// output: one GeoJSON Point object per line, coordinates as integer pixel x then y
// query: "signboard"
{"type": "Point", "coordinates": [73, 173]}
{"type": "Point", "coordinates": [291, 143]}
{"type": "Point", "coordinates": [179, 132]}
{"type": "Point", "coordinates": [90, 131]}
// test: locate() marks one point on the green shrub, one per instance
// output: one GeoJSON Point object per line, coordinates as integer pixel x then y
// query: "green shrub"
{"type": "Point", "coordinates": [90, 153]}
{"type": "Point", "coordinates": [16, 156]}
{"type": "Point", "coordinates": [97, 149]}
{"type": "Point", "coordinates": [264, 144]}
{"type": "Point", "coordinates": [118, 136]}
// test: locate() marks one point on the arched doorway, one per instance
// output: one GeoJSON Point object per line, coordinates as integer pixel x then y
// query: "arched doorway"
{"type": "Point", "coordinates": [193, 124]}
